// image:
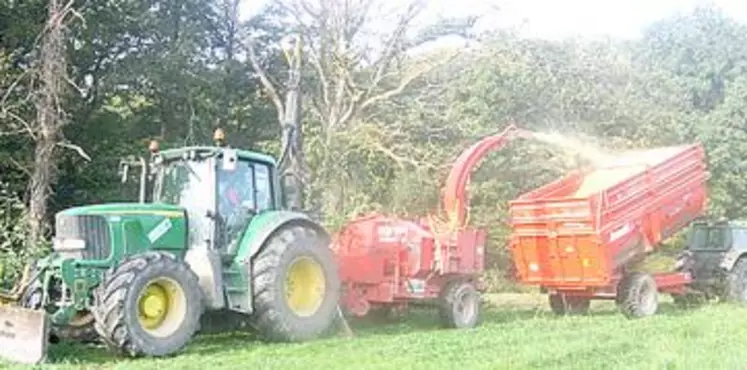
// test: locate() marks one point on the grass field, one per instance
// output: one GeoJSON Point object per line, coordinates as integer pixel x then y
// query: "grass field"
{"type": "Point", "coordinates": [517, 333]}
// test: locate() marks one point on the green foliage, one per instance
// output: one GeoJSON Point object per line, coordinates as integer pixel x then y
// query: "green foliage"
{"type": "Point", "coordinates": [175, 70]}
{"type": "Point", "coordinates": [14, 252]}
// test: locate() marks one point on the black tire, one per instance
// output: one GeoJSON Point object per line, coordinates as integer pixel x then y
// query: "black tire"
{"type": "Point", "coordinates": [460, 305]}
{"type": "Point", "coordinates": [81, 329]}
{"type": "Point", "coordinates": [273, 316]}
{"type": "Point", "coordinates": [561, 304]}
{"type": "Point", "coordinates": [736, 282]}
{"type": "Point", "coordinates": [637, 295]}
{"type": "Point", "coordinates": [116, 305]}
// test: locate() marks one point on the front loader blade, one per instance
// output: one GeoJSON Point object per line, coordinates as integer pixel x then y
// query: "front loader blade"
{"type": "Point", "coordinates": [23, 334]}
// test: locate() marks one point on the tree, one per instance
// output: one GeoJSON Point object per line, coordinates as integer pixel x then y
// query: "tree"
{"type": "Point", "coordinates": [50, 116]}
{"type": "Point", "coordinates": [350, 75]}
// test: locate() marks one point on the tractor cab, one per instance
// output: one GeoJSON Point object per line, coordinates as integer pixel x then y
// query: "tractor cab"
{"type": "Point", "coordinates": [220, 188]}
{"type": "Point", "coordinates": [710, 237]}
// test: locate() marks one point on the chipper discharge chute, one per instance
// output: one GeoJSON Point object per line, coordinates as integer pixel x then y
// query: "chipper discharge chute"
{"type": "Point", "coordinates": [579, 237]}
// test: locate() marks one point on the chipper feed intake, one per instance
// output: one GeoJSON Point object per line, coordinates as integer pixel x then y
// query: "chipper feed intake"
{"type": "Point", "coordinates": [579, 232]}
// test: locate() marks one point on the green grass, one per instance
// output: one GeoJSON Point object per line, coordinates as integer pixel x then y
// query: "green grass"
{"type": "Point", "coordinates": [519, 334]}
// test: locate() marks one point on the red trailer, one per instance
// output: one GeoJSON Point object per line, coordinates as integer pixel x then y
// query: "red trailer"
{"type": "Point", "coordinates": [388, 263]}
{"type": "Point", "coordinates": [578, 237]}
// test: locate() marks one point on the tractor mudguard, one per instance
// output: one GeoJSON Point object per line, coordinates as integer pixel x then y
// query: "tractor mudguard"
{"type": "Point", "coordinates": [731, 257]}
{"type": "Point", "coordinates": [263, 226]}
{"type": "Point", "coordinates": [237, 275]}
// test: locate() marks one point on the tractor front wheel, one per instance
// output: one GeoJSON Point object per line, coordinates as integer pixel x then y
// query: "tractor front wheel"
{"type": "Point", "coordinates": [460, 306]}
{"type": "Point", "coordinates": [562, 304]}
{"type": "Point", "coordinates": [295, 286]}
{"type": "Point", "coordinates": [637, 295]}
{"type": "Point", "coordinates": [148, 305]}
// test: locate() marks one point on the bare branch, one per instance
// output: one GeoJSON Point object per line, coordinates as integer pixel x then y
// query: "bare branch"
{"type": "Point", "coordinates": [13, 133]}
{"type": "Point", "coordinates": [26, 125]}
{"type": "Point", "coordinates": [383, 63]}
{"type": "Point", "coordinates": [21, 167]}
{"type": "Point", "coordinates": [76, 148]}
{"type": "Point", "coordinates": [400, 160]}
{"type": "Point", "coordinates": [405, 83]}
{"type": "Point", "coordinates": [269, 87]}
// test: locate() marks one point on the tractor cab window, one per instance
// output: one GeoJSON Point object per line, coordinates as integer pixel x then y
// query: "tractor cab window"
{"type": "Point", "coordinates": [243, 191]}
{"type": "Point", "coordinates": [739, 235]}
{"type": "Point", "coordinates": [187, 184]}
{"type": "Point", "coordinates": [711, 238]}
{"type": "Point", "coordinates": [264, 187]}
{"type": "Point", "coordinates": [236, 189]}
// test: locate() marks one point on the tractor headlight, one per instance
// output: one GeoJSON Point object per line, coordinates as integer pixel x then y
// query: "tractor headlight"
{"type": "Point", "coordinates": [68, 244]}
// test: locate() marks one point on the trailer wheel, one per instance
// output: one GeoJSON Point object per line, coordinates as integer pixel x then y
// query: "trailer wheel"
{"type": "Point", "coordinates": [736, 289]}
{"type": "Point", "coordinates": [460, 305]}
{"type": "Point", "coordinates": [637, 295]}
{"type": "Point", "coordinates": [562, 304]}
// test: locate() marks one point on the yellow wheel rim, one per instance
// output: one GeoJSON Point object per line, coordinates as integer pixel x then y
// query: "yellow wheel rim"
{"type": "Point", "coordinates": [162, 307]}
{"type": "Point", "coordinates": [305, 286]}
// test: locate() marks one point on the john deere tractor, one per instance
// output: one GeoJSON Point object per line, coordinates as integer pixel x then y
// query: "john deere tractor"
{"type": "Point", "coordinates": [209, 234]}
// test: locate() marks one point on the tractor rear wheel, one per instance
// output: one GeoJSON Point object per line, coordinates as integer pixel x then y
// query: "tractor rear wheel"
{"type": "Point", "coordinates": [736, 288]}
{"type": "Point", "coordinates": [562, 304]}
{"type": "Point", "coordinates": [295, 286]}
{"type": "Point", "coordinates": [460, 305]}
{"type": "Point", "coordinates": [148, 305]}
{"type": "Point", "coordinates": [637, 295]}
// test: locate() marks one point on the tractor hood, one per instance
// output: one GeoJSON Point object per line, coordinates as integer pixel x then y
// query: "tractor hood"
{"type": "Point", "coordinates": [126, 209]}
{"type": "Point", "coordinates": [105, 231]}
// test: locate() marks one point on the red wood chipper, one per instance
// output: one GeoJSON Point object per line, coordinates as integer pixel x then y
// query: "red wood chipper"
{"type": "Point", "coordinates": [387, 263]}
{"type": "Point", "coordinates": [580, 237]}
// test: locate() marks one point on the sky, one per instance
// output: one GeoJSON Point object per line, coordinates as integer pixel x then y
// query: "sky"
{"type": "Point", "coordinates": [563, 18]}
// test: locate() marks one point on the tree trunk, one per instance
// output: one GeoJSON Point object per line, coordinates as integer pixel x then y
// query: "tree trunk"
{"type": "Point", "coordinates": [293, 163]}
{"type": "Point", "coordinates": [48, 121]}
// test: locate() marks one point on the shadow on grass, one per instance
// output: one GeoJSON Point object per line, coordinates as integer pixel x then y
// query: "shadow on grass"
{"type": "Point", "coordinates": [417, 319]}
{"type": "Point", "coordinates": [202, 345]}
{"type": "Point", "coordinates": [422, 319]}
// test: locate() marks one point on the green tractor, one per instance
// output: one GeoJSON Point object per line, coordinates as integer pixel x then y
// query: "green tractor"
{"type": "Point", "coordinates": [209, 234]}
{"type": "Point", "coordinates": [716, 257]}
